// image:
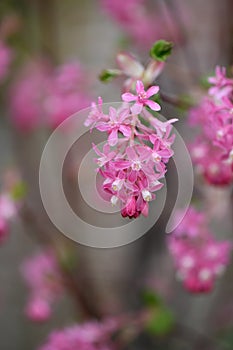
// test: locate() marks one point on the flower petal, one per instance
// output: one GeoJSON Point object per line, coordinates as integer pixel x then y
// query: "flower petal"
{"type": "Point", "coordinates": [152, 91]}
{"type": "Point", "coordinates": [113, 137]}
{"type": "Point", "coordinates": [153, 105]}
{"type": "Point", "coordinates": [128, 97]}
{"type": "Point", "coordinates": [136, 108]}
{"type": "Point", "coordinates": [139, 86]}
{"type": "Point", "coordinates": [129, 65]}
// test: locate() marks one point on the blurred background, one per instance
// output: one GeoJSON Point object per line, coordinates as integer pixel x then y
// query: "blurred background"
{"type": "Point", "coordinates": [44, 35]}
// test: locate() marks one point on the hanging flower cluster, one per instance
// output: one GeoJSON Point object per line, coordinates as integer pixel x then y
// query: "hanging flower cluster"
{"type": "Point", "coordinates": [133, 160]}
{"type": "Point", "coordinates": [212, 151]}
{"type": "Point", "coordinates": [44, 97]}
{"type": "Point", "coordinates": [89, 336]}
{"type": "Point", "coordinates": [44, 281]}
{"type": "Point", "coordinates": [198, 257]}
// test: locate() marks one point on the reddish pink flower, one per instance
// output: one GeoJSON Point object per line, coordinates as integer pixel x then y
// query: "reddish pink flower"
{"type": "Point", "coordinates": [198, 257]}
{"type": "Point", "coordinates": [212, 151]}
{"type": "Point", "coordinates": [132, 169]}
{"type": "Point", "coordinates": [142, 98]}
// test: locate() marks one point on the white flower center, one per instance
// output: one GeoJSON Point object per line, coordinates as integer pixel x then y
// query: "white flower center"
{"type": "Point", "coordinates": [156, 157]}
{"type": "Point", "coordinates": [146, 195]}
{"type": "Point", "coordinates": [136, 165]}
{"type": "Point", "coordinates": [187, 262]}
{"type": "Point", "coordinates": [114, 200]}
{"type": "Point", "coordinates": [204, 275]}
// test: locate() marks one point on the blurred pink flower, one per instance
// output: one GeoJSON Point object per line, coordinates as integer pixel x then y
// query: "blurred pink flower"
{"type": "Point", "coordinates": [88, 336]}
{"type": "Point", "coordinates": [44, 281]}
{"type": "Point", "coordinates": [43, 96]}
{"type": "Point", "coordinates": [67, 93]}
{"type": "Point", "coordinates": [8, 210]}
{"type": "Point", "coordinates": [38, 309]}
{"type": "Point", "coordinates": [27, 96]}
{"type": "Point", "coordinates": [198, 257]}
{"type": "Point", "coordinates": [4, 230]}
{"type": "Point", "coordinates": [144, 24]}
{"type": "Point", "coordinates": [212, 150]}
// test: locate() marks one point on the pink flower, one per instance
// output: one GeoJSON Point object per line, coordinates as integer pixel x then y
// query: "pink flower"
{"type": "Point", "coordinates": [142, 98]}
{"type": "Point", "coordinates": [212, 150]}
{"type": "Point", "coordinates": [198, 257]}
{"type": "Point", "coordinates": [88, 336]}
{"type": "Point", "coordinates": [117, 123]}
{"type": "Point", "coordinates": [133, 164]}
{"type": "Point", "coordinates": [7, 207]}
{"type": "Point", "coordinates": [44, 96]}
{"type": "Point", "coordinates": [7, 212]}
{"type": "Point", "coordinates": [134, 70]}
{"type": "Point", "coordinates": [38, 310]}
{"type": "Point", "coordinates": [4, 230]}
{"type": "Point", "coordinates": [44, 282]}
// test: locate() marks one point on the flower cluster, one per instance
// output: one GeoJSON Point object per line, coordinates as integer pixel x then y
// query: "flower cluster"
{"type": "Point", "coordinates": [5, 60]}
{"type": "Point", "coordinates": [88, 336]}
{"type": "Point", "coordinates": [46, 96]}
{"type": "Point", "coordinates": [133, 160]}
{"type": "Point", "coordinates": [212, 151]}
{"type": "Point", "coordinates": [198, 257]}
{"type": "Point", "coordinates": [43, 279]}
{"type": "Point", "coordinates": [141, 25]}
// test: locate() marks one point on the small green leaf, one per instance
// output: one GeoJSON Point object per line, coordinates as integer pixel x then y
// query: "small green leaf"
{"type": "Point", "coordinates": [108, 74]}
{"type": "Point", "coordinates": [68, 258]}
{"type": "Point", "coordinates": [161, 322]}
{"type": "Point", "coordinates": [161, 50]}
{"type": "Point", "coordinates": [151, 299]}
{"type": "Point", "coordinates": [19, 191]}
{"type": "Point", "coordinates": [204, 82]}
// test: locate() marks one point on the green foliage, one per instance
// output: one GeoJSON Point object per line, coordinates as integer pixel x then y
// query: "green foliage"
{"type": "Point", "coordinates": [19, 191]}
{"type": "Point", "coordinates": [161, 319]}
{"type": "Point", "coordinates": [161, 50]}
{"type": "Point", "coordinates": [161, 322]}
{"type": "Point", "coordinates": [150, 298]}
{"type": "Point", "coordinates": [68, 259]}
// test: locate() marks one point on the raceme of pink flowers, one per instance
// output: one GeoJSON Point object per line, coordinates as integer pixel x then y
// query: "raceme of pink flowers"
{"type": "Point", "coordinates": [212, 150]}
{"type": "Point", "coordinates": [43, 279]}
{"type": "Point", "coordinates": [43, 96]}
{"type": "Point", "coordinates": [133, 159]}
{"type": "Point", "coordinates": [198, 257]}
{"type": "Point", "coordinates": [88, 336]}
